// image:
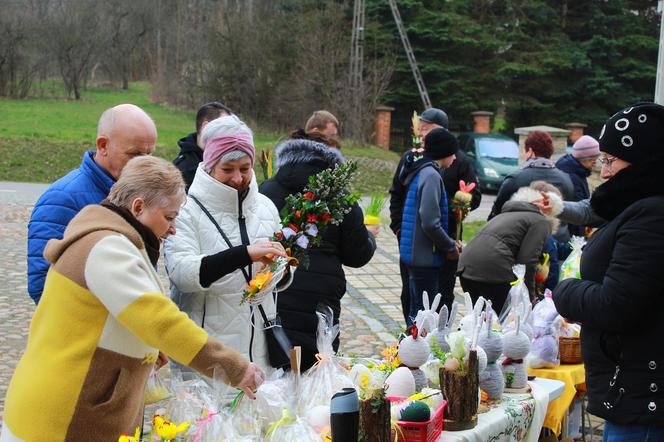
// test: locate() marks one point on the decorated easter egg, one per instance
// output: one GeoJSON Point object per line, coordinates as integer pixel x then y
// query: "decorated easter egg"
{"type": "Point", "coordinates": [416, 411]}
{"type": "Point", "coordinates": [400, 383]}
{"type": "Point", "coordinates": [319, 418]}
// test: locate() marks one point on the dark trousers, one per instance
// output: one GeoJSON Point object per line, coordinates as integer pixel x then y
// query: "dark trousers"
{"type": "Point", "coordinates": [496, 292]}
{"type": "Point", "coordinates": [445, 286]}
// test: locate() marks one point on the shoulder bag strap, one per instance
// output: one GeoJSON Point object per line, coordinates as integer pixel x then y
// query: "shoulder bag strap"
{"type": "Point", "coordinates": [228, 242]}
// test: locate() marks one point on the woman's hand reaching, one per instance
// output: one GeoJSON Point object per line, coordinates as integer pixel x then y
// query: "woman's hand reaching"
{"type": "Point", "coordinates": [265, 251]}
{"type": "Point", "coordinates": [252, 379]}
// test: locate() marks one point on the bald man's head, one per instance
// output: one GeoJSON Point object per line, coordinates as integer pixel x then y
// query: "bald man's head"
{"type": "Point", "coordinates": [124, 132]}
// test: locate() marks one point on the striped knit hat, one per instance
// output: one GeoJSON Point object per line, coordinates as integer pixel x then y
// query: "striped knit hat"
{"type": "Point", "coordinates": [585, 147]}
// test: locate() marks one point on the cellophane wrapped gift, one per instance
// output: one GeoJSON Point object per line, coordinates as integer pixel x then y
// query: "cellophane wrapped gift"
{"type": "Point", "coordinates": [571, 268]}
{"type": "Point", "coordinates": [157, 386]}
{"type": "Point", "coordinates": [546, 329]}
{"type": "Point", "coordinates": [327, 376]}
{"type": "Point", "coordinates": [290, 429]}
{"type": "Point", "coordinates": [517, 303]}
{"type": "Point", "coordinates": [192, 400]}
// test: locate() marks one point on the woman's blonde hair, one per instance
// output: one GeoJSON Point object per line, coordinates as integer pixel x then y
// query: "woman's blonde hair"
{"type": "Point", "coordinates": [154, 179]}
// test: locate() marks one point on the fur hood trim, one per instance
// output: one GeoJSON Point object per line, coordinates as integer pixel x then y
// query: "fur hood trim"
{"type": "Point", "coordinates": [528, 195]}
{"type": "Point", "coordinates": [296, 151]}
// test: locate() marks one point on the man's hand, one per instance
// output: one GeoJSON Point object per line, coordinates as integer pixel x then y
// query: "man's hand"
{"type": "Point", "coordinates": [252, 379]}
{"type": "Point", "coordinates": [374, 229]}
{"type": "Point", "coordinates": [453, 255]}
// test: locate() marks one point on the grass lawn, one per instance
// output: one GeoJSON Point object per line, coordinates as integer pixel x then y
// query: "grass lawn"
{"type": "Point", "coordinates": [470, 229]}
{"type": "Point", "coordinates": [41, 139]}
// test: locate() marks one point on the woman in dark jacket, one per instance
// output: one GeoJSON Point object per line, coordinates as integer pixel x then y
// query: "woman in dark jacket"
{"type": "Point", "coordinates": [323, 283]}
{"type": "Point", "coordinates": [515, 236]}
{"type": "Point", "coordinates": [619, 299]}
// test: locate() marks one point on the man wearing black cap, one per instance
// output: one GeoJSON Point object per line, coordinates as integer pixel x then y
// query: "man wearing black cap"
{"type": "Point", "coordinates": [191, 150]}
{"type": "Point", "coordinates": [461, 169]}
{"type": "Point", "coordinates": [425, 243]}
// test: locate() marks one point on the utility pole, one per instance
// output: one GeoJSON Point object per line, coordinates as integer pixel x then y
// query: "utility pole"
{"type": "Point", "coordinates": [424, 95]}
{"type": "Point", "coordinates": [356, 80]}
{"type": "Point", "coordinates": [659, 83]}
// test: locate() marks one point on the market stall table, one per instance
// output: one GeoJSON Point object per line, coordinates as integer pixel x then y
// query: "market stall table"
{"type": "Point", "coordinates": [572, 375]}
{"type": "Point", "coordinates": [518, 417]}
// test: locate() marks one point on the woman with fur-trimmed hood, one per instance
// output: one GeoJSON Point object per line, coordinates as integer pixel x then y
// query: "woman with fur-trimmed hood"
{"type": "Point", "coordinates": [515, 236]}
{"type": "Point", "coordinates": [323, 283]}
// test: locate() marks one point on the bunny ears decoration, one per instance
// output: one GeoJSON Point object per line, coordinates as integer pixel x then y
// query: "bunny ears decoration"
{"type": "Point", "coordinates": [466, 188]}
{"type": "Point", "coordinates": [428, 315]}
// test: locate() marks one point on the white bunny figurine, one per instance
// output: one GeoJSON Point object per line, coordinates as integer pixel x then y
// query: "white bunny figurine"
{"type": "Point", "coordinates": [516, 346]}
{"type": "Point", "coordinates": [467, 323]}
{"type": "Point", "coordinates": [491, 380]}
{"type": "Point", "coordinates": [429, 314]}
{"type": "Point", "coordinates": [413, 352]}
{"type": "Point", "coordinates": [439, 335]}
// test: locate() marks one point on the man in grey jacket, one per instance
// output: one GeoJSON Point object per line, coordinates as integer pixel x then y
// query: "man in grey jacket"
{"type": "Point", "coordinates": [424, 239]}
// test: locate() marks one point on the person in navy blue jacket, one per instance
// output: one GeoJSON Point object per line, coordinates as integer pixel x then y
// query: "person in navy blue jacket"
{"type": "Point", "coordinates": [424, 239]}
{"type": "Point", "coordinates": [124, 132]}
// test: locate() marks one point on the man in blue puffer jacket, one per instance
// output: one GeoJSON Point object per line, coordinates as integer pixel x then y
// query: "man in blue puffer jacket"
{"type": "Point", "coordinates": [424, 237]}
{"type": "Point", "coordinates": [124, 132]}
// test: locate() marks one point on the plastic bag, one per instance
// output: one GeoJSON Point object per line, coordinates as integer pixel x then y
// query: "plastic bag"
{"type": "Point", "coordinates": [546, 329]}
{"type": "Point", "coordinates": [571, 268]}
{"type": "Point", "coordinates": [517, 303]}
{"type": "Point", "coordinates": [327, 376]}
{"type": "Point", "coordinates": [290, 429]}
{"type": "Point", "coordinates": [156, 388]}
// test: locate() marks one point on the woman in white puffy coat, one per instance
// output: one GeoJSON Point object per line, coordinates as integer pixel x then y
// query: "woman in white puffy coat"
{"type": "Point", "coordinates": [207, 274]}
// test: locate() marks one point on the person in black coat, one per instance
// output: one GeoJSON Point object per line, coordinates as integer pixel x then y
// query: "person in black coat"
{"type": "Point", "coordinates": [461, 169]}
{"type": "Point", "coordinates": [191, 152]}
{"type": "Point", "coordinates": [323, 283]}
{"type": "Point", "coordinates": [619, 299]}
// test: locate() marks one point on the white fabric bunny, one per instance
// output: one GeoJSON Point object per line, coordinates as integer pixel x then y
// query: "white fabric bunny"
{"type": "Point", "coordinates": [469, 321]}
{"type": "Point", "coordinates": [429, 314]}
{"type": "Point", "coordinates": [439, 335]}
{"type": "Point", "coordinates": [516, 346]}
{"type": "Point", "coordinates": [414, 351]}
{"type": "Point", "coordinates": [491, 380]}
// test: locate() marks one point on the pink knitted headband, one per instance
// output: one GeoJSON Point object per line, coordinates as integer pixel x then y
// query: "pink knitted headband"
{"type": "Point", "coordinates": [217, 147]}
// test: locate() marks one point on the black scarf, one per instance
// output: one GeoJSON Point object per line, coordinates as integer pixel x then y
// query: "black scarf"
{"type": "Point", "coordinates": [150, 240]}
{"type": "Point", "coordinates": [631, 184]}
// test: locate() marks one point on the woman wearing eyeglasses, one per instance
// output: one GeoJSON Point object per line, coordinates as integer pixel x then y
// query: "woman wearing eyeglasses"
{"type": "Point", "coordinates": [619, 299]}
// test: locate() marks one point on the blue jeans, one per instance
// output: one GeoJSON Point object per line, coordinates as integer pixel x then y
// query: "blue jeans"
{"type": "Point", "coordinates": [421, 280]}
{"type": "Point", "coordinates": [632, 433]}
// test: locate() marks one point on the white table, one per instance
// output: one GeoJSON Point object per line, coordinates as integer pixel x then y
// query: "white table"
{"type": "Point", "coordinates": [519, 417]}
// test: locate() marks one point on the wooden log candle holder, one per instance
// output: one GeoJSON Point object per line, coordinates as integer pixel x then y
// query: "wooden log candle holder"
{"type": "Point", "coordinates": [460, 390]}
{"type": "Point", "coordinates": [375, 425]}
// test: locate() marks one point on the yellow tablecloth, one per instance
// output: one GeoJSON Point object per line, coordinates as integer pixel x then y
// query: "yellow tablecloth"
{"type": "Point", "coordinates": [571, 375]}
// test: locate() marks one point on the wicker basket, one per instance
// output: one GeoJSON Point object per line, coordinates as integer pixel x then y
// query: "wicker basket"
{"type": "Point", "coordinates": [570, 350]}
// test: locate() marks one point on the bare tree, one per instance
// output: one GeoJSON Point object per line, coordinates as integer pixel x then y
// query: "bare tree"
{"type": "Point", "coordinates": [73, 37]}
{"type": "Point", "coordinates": [19, 61]}
{"type": "Point", "coordinates": [125, 26]}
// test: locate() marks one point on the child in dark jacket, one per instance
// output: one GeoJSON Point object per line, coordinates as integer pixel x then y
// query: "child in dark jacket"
{"type": "Point", "coordinates": [424, 237]}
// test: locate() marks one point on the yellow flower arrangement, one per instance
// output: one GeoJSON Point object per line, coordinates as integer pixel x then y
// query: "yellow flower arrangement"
{"type": "Point", "coordinates": [255, 285]}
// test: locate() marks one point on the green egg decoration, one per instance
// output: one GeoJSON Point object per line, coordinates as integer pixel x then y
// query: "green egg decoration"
{"type": "Point", "coordinates": [416, 411]}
